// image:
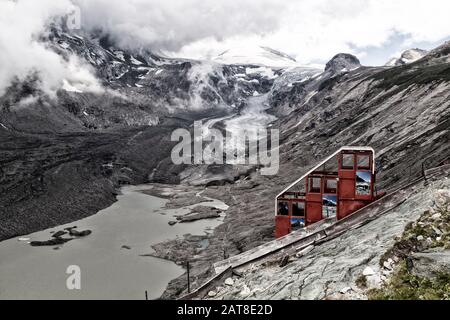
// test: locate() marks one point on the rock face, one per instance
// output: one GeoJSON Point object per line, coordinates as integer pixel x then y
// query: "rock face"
{"type": "Point", "coordinates": [51, 242]}
{"type": "Point", "coordinates": [200, 212]}
{"type": "Point", "coordinates": [427, 264]}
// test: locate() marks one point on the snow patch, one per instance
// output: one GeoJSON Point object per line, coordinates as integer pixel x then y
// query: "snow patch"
{"type": "Point", "coordinates": [63, 44]}
{"type": "Point", "coordinates": [263, 71]}
{"type": "Point", "coordinates": [119, 55]}
{"type": "Point", "coordinates": [70, 88]}
{"type": "Point", "coordinates": [135, 61]}
{"type": "Point", "coordinates": [255, 55]}
{"type": "Point", "coordinates": [310, 96]}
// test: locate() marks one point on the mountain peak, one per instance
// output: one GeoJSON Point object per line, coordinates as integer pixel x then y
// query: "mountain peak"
{"type": "Point", "coordinates": [342, 62]}
{"type": "Point", "coordinates": [406, 57]}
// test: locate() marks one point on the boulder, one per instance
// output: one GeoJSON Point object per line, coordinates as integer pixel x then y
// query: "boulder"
{"type": "Point", "coordinates": [51, 242]}
{"type": "Point", "coordinates": [345, 290]}
{"type": "Point", "coordinates": [387, 265]}
{"type": "Point", "coordinates": [200, 212]}
{"type": "Point", "coordinates": [430, 262]}
{"type": "Point", "coordinates": [59, 234]}
{"type": "Point", "coordinates": [245, 292]}
{"type": "Point", "coordinates": [212, 293]}
{"type": "Point", "coordinates": [229, 281]}
{"type": "Point", "coordinates": [76, 233]}
{"type": "Point", "coordinates": [368, 271]}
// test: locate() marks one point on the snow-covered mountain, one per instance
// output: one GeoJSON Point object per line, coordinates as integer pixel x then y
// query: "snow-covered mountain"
{"type": "Point", "coordinates": [406, 57]}
{"type": "Point", "coordinates": [256, 55]}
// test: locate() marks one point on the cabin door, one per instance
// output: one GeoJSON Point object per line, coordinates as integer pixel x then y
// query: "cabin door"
{"type": "Point", "coordinates": [314, 199]}
{"type": "Point", "coordinates": [355, 182]}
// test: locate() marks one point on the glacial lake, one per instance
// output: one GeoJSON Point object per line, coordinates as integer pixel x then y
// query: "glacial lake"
{"type": "Point", "coordinates": [110, 259]}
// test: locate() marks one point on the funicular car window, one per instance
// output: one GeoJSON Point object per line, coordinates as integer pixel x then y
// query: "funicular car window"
{"type": "Point", "coordinates": [331, 185]}
{"type": "Point", "coordinates": [283, 208]}
{"type": "Point", "coordinates": [363, 161]}
{"type": "Point", "coordinates": [297, 223]}
{"type": "Point", "coordinates": [298, 209]}
{"type": "Point", "coordinates": [363, 183]}
{"type": "Point", "coordinates": [348, 161]}
{"type": "Point", "coordinates": [329, 206]}
{"type": "Point", "coordinates": [314, 184]}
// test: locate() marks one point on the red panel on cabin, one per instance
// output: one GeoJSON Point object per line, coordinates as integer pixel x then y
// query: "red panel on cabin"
{"type": "Point", "coordinates": [346, 188]}
{"type": "Point", "coordinates": [346, 174]}
{"type": "Point", "coordinates": [314, 197]}
{"type": "Point", "coordinates": [313, 208]}
{"type": "Point", "coordinates": [313, 212]}
{"type": "Point", "coordinates": [283, 224]}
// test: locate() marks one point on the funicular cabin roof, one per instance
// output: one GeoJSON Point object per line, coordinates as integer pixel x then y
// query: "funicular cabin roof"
{"type": "Point", "coordinates": [315, 170]}
{"type": "Point", "coordinates": [323, 174]}
{"type": "Point", "coordinates": [294, 197]}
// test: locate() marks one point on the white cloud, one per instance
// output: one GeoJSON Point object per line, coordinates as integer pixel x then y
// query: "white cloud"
{"type": "Point", "coordinates": [21, 52]}
{"type": "Point", "coordinates": [315, 30]}
{"type": "Point", "coordinates": [171, 24]}
{"type": "Point", "coordinates": [309, 30]}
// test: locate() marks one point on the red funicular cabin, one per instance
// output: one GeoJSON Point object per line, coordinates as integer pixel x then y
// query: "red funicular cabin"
{"type": "Point", "coordinates": [334, 189]}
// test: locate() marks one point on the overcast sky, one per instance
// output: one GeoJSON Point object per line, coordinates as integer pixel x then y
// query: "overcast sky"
{"type": "Point", "coordinates": [312, 31]}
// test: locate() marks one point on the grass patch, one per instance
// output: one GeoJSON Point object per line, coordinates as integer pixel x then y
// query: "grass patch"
{"type": "Point", "coordinates": [361, 281]}
{"type": "Point", "coordinates": [405, 286]}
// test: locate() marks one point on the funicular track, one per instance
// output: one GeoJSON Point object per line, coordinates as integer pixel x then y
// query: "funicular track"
{"type": "Point", "coordinates": [323, 231]}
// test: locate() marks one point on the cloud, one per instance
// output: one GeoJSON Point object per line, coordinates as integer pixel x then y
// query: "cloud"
{"type": "Point", "coordinates": [315, 30]}
{"type": "Point", "coordinates": [309, 30]}
{"type": "Point", "coordinates": [169, 25]}
{"type": "Point", "coordinates": [22, 54]}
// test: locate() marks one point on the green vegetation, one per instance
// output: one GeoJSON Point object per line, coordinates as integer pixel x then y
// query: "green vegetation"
{"type": "Point", "coordinates": [361, 281]}
{"type": "Point", "coordinates": [404, 285]}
